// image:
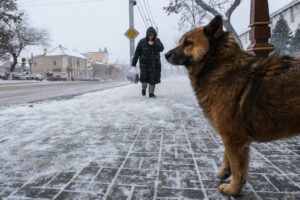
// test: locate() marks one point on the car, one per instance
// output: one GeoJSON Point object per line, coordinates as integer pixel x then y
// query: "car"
{"type": "Point", "coordinates": [90, 79]}
{"type": "Point", "coordinates": [57, 78]}
{"type": "Point", "coordinates": [37, 77]}
{"type": "Point", "coordinates": [4, 76]}
{"type": "Point", "coordinates": [18, 76]}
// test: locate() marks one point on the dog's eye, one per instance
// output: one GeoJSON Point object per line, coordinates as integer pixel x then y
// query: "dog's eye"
{"type": "Point", "coordinates": [187, 43]}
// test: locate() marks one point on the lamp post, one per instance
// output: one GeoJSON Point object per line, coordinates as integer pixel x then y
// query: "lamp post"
{"type": "Point", "coordinates": [260, 31]}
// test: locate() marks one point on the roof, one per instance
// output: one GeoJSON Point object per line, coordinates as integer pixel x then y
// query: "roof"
{"type": "Point", "coordinates": [273, 14]}
{"type": "Point", "coordinates": [99, 52]}
{"type": "Point", "coordinates": [62, 51]}
{"type": "Point", "coordinates": [96, 53]}
{"type": "Point", "coordinates": [5, 64]}
{"type": "Point", "coordinates": [1, 62]}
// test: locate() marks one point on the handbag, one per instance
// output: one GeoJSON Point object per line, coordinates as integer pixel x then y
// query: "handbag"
{"type": "Point", "coordinates": [132, 75]}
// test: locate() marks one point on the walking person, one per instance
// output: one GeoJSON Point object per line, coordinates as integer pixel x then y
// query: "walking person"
{"type": "Point", "coordinates": [148, 53]}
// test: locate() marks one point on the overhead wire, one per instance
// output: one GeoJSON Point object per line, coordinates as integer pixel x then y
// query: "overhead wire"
{"type": "Point", "coordinates": [149, 18]}
{"type": "Point", "coordinates": [25, 2]}
{"type": "Point", "coordinates": [31, 3]}
{"type": "Point", "coordinates": [144, 14]}
{"type": "Point", "coordinates": [141, 14]}
{"type": "Point", "coordinates": [150, 10]}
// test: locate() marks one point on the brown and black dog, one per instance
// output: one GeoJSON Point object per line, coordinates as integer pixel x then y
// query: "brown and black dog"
{"type": "Point", "coordinates": [245, 98]}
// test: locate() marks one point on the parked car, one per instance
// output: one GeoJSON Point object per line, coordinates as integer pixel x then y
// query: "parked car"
{"type": "Point", "coordinates": [90, 79]}
{"type": "Point", "coordinates": [57, 78]}
{"type": "Point", "coordinates": [37, 77]}
{"type": "Point", "coordinates": [4, 76]}
{"type": "Point", "coordinates": [18, 76]}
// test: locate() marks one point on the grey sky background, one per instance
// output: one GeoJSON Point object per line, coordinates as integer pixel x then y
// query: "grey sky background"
{"type": "Point", "coordinates": [87, 25]}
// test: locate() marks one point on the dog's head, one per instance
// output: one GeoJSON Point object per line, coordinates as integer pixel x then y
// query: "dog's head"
{"type": "Point", "coordinates": [195, 44]}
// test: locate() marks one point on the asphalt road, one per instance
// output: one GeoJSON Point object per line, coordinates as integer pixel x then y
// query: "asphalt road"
{"type": "Point", "coordinates": [28, 92]}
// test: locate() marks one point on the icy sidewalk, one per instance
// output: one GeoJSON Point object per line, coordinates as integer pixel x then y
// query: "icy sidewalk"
{"type": "Point", "coordinates": [116, 144]}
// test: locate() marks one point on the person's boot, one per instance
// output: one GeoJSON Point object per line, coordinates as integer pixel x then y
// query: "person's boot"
{"type": "Point", "coordinates": [151, 95]}
{"type": "Point", "coordinates": [143, 92]}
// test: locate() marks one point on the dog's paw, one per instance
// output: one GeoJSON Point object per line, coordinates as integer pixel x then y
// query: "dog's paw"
{"type": "Point", "coordinates": [223, 174]}
{"type": "Point", "coordinates": [229, 189]}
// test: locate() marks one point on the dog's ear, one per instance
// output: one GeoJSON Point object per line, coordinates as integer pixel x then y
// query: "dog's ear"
{"type": "Point", "coordinates": [214, 28]}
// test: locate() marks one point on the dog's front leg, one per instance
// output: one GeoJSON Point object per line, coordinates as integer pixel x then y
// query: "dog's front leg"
{"type": "Point", "coordinates": [238, 155]}
{"type": "Point", "coordinates": [224, 172]}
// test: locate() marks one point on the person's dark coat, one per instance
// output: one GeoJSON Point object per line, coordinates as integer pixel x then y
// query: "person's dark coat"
{"type": "Point", "coordinates": [149, 58]}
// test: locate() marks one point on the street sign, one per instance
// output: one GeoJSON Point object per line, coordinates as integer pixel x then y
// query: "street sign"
{"type": "Point", "coordinates": [131, 33]}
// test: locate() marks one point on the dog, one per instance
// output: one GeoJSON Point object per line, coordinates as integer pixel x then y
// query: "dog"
{"type": "Point", "coordinates": [245, 98]}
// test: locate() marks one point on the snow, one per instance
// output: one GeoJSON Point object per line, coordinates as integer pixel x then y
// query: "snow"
{"type": "Point", "coordinates": [5, 82]}
{"type": "Point", "coordinates": [131, 146]}
{"type": "Point", "coordinates": [59, 51]}
{"type": "Point", "coordinates": [58, 134]}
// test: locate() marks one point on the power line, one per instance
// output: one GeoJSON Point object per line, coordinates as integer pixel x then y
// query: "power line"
{"type": "Point", "coordinates": [144, 14]}
{"type": "Point", "coordinates": [141, 15]}
{"type": "Point", "coordinates": [31, 3]}
{"type": "Point", "coordinates": [27, 1]}
{"type": "Point", "coordinates": [147, 12]}
{"type": "Point", "coordinates": [150, 10]}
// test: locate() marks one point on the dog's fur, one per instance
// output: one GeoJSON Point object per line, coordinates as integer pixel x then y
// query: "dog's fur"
{"type": "Point", "coordinates": [245, 98]}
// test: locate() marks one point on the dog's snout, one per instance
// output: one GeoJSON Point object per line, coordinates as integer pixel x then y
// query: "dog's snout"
{"type": "Point", "coordinates": [168, 55]}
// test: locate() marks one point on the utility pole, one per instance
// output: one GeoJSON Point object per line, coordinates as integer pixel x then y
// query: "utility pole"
{"type": "Point", "coordinates": [131, 25]}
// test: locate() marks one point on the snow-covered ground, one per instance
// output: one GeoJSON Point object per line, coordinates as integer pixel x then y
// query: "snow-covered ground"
{"type": "Point", "coordinates": [71, 126]}
{"type": "Point", "coordinates": [117, 144]}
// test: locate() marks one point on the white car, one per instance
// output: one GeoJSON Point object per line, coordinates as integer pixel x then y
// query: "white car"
{"type": "Point", "coordinates": [37, 77]}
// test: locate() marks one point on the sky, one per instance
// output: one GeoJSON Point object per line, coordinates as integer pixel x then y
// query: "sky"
{"type": "Point", "coordinates": [87, 25]}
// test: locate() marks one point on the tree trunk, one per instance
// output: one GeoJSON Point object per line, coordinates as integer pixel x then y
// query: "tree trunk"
{"type": "Point", "coordinates": [226, 22]}
{"type": "Point", "coordinates": [230, 28]}
{"type": "Point", "coordinates": [13, 65]}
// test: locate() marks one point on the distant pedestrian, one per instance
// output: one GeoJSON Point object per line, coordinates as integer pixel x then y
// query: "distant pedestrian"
{"type": "Point", "coordinates": [148, 52]}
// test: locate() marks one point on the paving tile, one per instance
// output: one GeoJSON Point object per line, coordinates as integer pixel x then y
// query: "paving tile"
{"type": "Point", "coordinates": [32, 192]}
{"type": "Point", "coordinates": [66, 195]}
{"type": "Point", "coordinates": [180, 193]}
{"type": "Point", "coordinates": [172, 155]}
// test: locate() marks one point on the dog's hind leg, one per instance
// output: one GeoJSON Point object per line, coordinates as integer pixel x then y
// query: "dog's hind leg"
{"type": "Point", "coordinates": [224, 172]}
{"type": "Point", "coordinates": [238, 155]}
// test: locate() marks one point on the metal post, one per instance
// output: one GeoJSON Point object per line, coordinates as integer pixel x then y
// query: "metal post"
{"type": "Point", "coordinates": [260, 30]}
{"type": "Point", "coordinates": [131, 25]}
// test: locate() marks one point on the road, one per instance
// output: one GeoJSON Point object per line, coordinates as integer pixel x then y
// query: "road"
{"type": "Point", "coordinates": [27, 92]}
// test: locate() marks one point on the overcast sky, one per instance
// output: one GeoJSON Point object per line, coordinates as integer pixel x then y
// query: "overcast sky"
{"type": "Point", "coordinates": [87, 25]}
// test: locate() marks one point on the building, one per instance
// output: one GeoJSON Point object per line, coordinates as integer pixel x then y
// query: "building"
{"type": "Point", "coordinates": [5, 67]}
{"type": "Point", "coordinates": [99, 63]}
{"type": "Point", "coordinates": [98, 70]}
{"type": "Point", "coordinates": [100, 56]}
{"type": "Point", "coordinates": [60, 62]}
{"type": "Point", "coordinates": [290, 12]}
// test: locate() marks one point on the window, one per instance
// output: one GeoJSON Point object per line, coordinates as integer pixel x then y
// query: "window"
{"type": "Point", "coordinates": [35, 64]}
{"type": "Point", "coordinates": [292, 14]}
{"type": "Point", "coordinates": [54, 62]}
{"type": "Point", "coordinates": [70, 62]}
{"type": "Point", "coordinates": [78, 64]}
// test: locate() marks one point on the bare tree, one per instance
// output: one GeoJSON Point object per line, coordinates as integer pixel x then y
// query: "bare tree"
{"type": "Point", "coordinates": [206, 8]}
{"type": "Point", "coordinates": [19, 35]}
{"type": "Point", "coordinates": [9, 11]}
{"type": "Point", "coordinates": [8, 14]}
{"type": "Point", "coordinates": [192, 15]}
